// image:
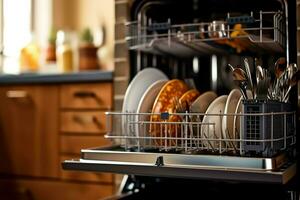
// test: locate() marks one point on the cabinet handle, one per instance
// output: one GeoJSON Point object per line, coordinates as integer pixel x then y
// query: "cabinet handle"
{"type": "Point", "coordinates": [87, 94]}
{"type": "Point", "coordinates": [84, 94]}
{"type": "Point", "coordinates": [86, 119]}
{"type": "Point", "coordinates": [96, 121]}
{"type": "Point", "coordinates": [17, 94]}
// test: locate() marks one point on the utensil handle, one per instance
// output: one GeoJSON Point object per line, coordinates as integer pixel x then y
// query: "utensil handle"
{"type": "Point", "coordinates": [287, 94]}
{"type": "Point", "coordinates": [242, 87]}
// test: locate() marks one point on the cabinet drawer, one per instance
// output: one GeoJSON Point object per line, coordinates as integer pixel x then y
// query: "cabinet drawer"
{"type": "Point", "coordinates": [86, 96]}
{"type": "Point", "coordinates": [85, 176]}
{"type": "Point", "coordinates": [83, 122]}
{"type": "Point", "coordinates": [73, 144]}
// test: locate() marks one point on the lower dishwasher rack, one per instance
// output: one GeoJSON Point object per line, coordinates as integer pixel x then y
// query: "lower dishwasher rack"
{"type": "Point", "coordinates": [275, 170]}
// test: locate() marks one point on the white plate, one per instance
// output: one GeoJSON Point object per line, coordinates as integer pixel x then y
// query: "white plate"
{"type": "Point", "coordinates": [227, 121]}
{"type": "Point", "coordinates": [236, 119]}
{"type": "Point", "coordinates": [201, 104]}
{"type": "Point", "coordinates": [213, 130]}
{"type": "Point", "coordinates": [136, 89]}
{"type": "Point", "coordinates": [138, 86]}
{"type": "Point", "coordinates": [146, 103]}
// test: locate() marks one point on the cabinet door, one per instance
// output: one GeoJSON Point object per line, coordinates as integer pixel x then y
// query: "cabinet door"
{"type": "Point", "coordinates": [28, 130]}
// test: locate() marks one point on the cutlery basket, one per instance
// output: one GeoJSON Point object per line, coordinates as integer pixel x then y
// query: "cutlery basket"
{"type": "Point", "coordinates": [266, 127]}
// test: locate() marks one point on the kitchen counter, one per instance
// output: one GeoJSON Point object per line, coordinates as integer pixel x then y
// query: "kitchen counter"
{"type": "Point", "coordinates": [36, 78]}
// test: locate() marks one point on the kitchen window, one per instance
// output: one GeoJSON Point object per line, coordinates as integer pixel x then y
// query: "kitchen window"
{"type": "Point", "coordinates": [21, 22]}
{"type": "Point", "coordinates": [15, 31]}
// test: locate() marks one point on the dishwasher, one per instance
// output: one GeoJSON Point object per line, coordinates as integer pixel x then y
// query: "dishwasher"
{"type": "Point", "coordinates": [239, 140]}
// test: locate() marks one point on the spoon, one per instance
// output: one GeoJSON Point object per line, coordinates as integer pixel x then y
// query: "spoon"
{"type": "Point", "coordinates": [285, 79]}
{"type": "Point", "coordinates": [292, 69]}
{"type": "Point", "coordinates": [259, 73]}
{"type": "Point", "coordinates": [239, 77]}
{"type": "Point", "coordinates": [292, 82]}
{"type": "Point", "coordinates": [280, 66]}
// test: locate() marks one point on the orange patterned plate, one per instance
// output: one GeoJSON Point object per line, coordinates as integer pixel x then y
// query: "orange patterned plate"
{"type": "Point", "coordinates": [188, 98]}
{"type": "Point", "coordinates": [166, 102]}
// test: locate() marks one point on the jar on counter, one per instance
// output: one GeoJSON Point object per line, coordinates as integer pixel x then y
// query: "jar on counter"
{"type": "Point", "coordinates": [29, 58]}
{"type": "Point", "coordinates": [64, 52]}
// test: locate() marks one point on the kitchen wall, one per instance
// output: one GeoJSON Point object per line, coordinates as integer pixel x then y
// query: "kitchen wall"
{"type": "Point", "coordinates": [79, 14]}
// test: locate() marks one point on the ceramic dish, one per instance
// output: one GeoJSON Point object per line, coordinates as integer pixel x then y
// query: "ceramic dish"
{"type": "Point", "coordinates": [166, 102]}
{"type": "Point", "coordinates": [211, 127]}
{"type": "Point", "coordinates": [145, 105]}
{"type": "Point", "coordinates": [139, 84]}
{"type": "Point", "coordinates": [227, 121]}
{"type": "Point", "coordinates": [201, 104]}
{"type": "Point", "coordinates": [188, 98]}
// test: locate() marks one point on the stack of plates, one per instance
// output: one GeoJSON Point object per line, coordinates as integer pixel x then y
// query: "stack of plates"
{"type": "Point", "coordinates": [135, 91]}
{"type": "Point", "coordinates": [152, 92]}
{"type": "Point", "coordinates": [228, 118]}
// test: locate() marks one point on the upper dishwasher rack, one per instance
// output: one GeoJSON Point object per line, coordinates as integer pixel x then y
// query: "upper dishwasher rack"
{"type": "Point", "coordinates": [261, 32]}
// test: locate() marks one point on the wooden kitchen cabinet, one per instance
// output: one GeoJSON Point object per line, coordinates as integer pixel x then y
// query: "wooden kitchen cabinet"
{"type": "Point", "coordinates": [28, 126]}
{"type": "Point", "coordinates": [83, 124]}
{"type": "Point", "coordinates": [43, 125]}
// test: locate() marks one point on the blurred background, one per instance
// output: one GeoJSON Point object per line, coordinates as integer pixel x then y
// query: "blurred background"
{"type": "Point", "coordinates": [56, 82]}
{"type": "Point", "coordinates": [36, 25]}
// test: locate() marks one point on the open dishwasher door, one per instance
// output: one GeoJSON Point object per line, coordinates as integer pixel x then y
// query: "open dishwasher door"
{"type": "Point", "coordinates": [206, 167]}
{"type": "Point", "coordinates": [151, 175]}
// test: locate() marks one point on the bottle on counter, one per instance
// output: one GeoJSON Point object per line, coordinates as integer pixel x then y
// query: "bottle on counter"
{"type": "Point", "coordinates": [64, 52]}
{"type": "Point", "coordinates": [30, 57]}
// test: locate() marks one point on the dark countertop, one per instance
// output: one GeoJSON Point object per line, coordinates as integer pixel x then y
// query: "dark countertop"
{"type": "Point", "coordinates": [35, 78]}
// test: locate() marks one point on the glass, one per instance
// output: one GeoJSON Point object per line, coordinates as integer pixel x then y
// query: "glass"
{"type": "Point", "coordinates": [64, 51]}
{"type": "Point", "coordinates": [216, 29]}
{"type": "Point", "coordinates": [30, 57]}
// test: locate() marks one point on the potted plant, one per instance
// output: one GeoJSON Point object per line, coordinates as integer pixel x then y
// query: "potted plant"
{"type": "Point", "coordinates": [88, 59]}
